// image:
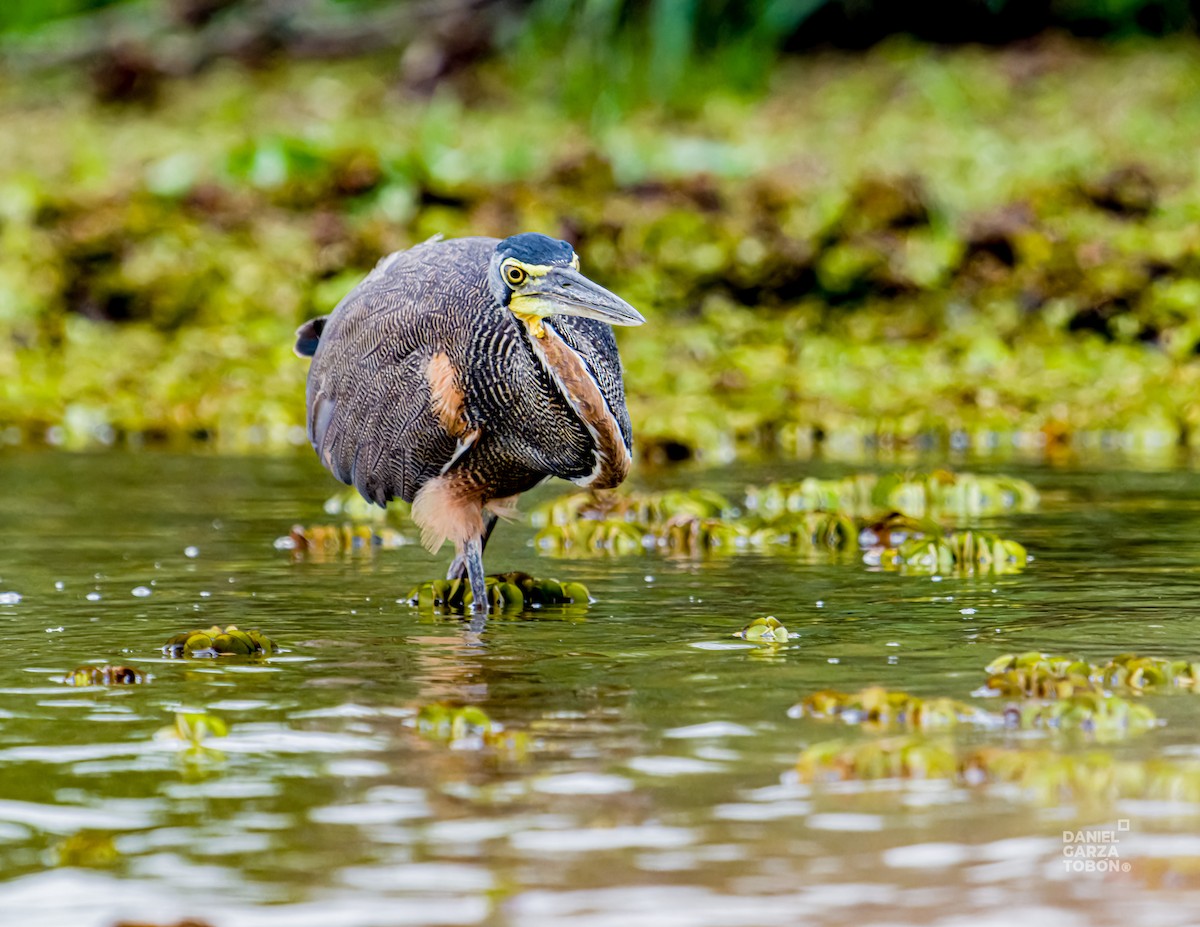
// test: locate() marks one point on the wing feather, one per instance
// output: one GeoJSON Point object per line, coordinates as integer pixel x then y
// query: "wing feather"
{"type": "Point", "coordinates": [370, 414]}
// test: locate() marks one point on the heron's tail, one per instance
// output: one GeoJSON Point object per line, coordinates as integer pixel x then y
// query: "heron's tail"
{"type": "Point", "coordinates": [308, 336]}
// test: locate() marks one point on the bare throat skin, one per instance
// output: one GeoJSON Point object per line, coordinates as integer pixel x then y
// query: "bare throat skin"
{"type": "Point", "coordinates": [582, 392]}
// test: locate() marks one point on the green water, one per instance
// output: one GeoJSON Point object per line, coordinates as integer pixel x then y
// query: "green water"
{"type": "Point", "coordinates": [657, 788]}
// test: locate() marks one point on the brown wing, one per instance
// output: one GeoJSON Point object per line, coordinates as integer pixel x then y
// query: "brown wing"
{"type": "Point", "coordinates": [373, 417]}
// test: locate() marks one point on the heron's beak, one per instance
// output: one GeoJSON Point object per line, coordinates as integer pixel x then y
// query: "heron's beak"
{"type": "Point", "coordinates": [565, 291]}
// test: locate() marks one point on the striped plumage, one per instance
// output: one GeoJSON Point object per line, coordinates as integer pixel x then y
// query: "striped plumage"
{"type": "Point", "coordinates": [438, 382]}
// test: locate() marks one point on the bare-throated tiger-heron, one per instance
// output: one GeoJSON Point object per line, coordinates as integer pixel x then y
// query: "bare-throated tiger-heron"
{"type": "Point", "coordinates": [463, 372]}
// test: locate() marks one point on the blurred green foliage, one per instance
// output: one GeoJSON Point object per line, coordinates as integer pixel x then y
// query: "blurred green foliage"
{"type": "Point", "coordinates": [955, 248]}
{"type": "Point", "coordinates": [28, 14]}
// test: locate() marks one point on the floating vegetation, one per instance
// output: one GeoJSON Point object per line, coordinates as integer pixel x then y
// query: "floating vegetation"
{"type": "Point", "coordinates": [963, 552]}
{"type": "Point", "coordinates": [940, 494]}
{"type": "Point", "coordinates": [906, 757]}
{"type": "Point", "coordinates": [654, 508]}
{"type": "Point", "coordinates": [104, 676]}
{"type": "Point", "coordinates": [809, 517]}
{"type": "Point", "coordinates": [1044, 301]}
{"type": "Point", "coordinates": [678, 522]}
{"type": "Point", "coordinates": [323, 542]}
{"type": "Point", "coordinates": [511, 592]}
{"type": "Point", "coordinates": [1055, 676]}
{"type": "Point", "coordinates": [809, 532]}
{"type": "Point", "coordinates": [468, 726]}
{"type": "Point", "coordinates": [768, 630]}
{"type": "Point", "coordinates": [1091, 712]}
{"type": "Point", "coordinates": [609, 535]}
{"type": "Point", "coordinates": [1049, 775]}
{"type": "Point", "coordinates": [219, 642]}
{"type": "Point", "coordinates": [877, 708]}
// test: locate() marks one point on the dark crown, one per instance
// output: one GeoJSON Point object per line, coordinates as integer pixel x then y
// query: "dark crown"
{"type": "Point", "coordinates": [535, 248]}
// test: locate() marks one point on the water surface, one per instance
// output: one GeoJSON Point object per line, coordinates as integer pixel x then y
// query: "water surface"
{"type": "Point", "coordinates": [657, 786]}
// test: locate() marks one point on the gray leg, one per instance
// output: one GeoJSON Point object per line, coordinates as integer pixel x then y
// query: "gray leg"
{"type": "Point", "coordinates": [458, 568]}
{"type": "Point", "coordinates": [473, 554]}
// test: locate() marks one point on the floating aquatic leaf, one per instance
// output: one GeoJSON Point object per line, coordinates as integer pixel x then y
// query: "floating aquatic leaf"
{"type": "Point", "coordinates": [962, 552]}
{"type": "Point", "coordinates": [768, 630]}
{"type": "Point", "coordinates": [809, 532]}
{"type": "Point", "coordinates": [104, 676]}
{"type": "Point", "coordinates": [219, 642]}
{"type": "Point", "coordinates": [322, 542]}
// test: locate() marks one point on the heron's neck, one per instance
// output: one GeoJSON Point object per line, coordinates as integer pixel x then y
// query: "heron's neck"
{"type": "Point", "coordinates": [580, 389]}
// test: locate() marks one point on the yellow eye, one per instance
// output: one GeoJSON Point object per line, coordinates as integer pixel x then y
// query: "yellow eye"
{"type": "Point", "coordinates": [514, 275]}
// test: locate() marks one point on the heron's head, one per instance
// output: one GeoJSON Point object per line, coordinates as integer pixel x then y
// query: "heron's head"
{"type": "Point", "coordinates": [537, 276]}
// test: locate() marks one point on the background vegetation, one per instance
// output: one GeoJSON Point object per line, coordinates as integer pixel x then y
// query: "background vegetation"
{"type": "Point", "coordinates": [841, 233]}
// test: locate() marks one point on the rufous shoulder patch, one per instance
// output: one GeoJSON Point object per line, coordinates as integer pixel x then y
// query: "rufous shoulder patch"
{"type": "Point", "coordinates": [445, 394]}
